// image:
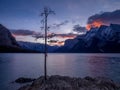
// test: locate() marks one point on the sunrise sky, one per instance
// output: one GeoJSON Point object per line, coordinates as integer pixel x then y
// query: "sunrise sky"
{"type": "Point", "coordinates": [24, 14]}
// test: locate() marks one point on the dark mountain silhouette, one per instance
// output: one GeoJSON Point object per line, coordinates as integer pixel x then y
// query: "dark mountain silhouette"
{"type": "Point", "coordinates": [105, 39]}
{"type": "Point", "coordinates": [8, 42]}
{"type": "Point", "coordinates": [6, 38]}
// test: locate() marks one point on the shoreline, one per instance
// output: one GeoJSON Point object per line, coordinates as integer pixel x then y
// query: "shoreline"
{"type": "Point", "coordinates": [57, 82]}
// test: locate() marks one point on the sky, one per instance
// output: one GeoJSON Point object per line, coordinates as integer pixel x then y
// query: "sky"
{"type": "Point", "coordinates": [25, 14]}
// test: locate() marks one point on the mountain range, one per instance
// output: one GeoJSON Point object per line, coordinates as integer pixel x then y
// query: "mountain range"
{"type": "Point", "coordinates": [105, 39]}
{"type": "Point", "coordinates": [9, 44]}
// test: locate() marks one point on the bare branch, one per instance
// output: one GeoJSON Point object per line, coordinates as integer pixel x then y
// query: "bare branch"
{"type": "Point", "coordinates": [42, 14]}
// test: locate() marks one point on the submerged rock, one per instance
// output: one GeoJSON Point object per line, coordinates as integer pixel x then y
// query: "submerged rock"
{"type": "Point", "coordinates": [68, 83]}
{"type": "Point", "coordinates": [24, 80]}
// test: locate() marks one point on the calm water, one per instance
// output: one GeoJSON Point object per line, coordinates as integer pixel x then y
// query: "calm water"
{"type": "Point", "coordinates": [13, 66]}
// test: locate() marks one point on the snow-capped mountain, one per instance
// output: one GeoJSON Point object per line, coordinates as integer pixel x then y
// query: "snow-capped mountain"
{"type": "Point", "coordinates": [102, 39]}
{"type": "Point", "coordinates": [36, 46]}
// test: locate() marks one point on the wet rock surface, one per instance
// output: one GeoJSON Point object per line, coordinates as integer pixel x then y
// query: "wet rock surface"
{"type": "Point", "coordinates": [24, 80]}
{"type": "Point", "coordinates": [71, 83]}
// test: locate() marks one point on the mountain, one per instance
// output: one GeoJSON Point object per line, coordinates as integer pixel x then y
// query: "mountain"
{"type": "Point", "coordinates": [6, 38]}
{"type": "Point", "coordinates": [69, 44]}
{"type": "Point", "coordinates": [103, 39]}
{"type": "Point", "coordinates": [37, 46]}
{"type": "Point", "coordinates": [8, 42]}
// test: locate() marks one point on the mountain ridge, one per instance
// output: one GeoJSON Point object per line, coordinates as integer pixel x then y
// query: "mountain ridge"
{"type": "Point", "coordinates": [105, 39]}
{"type": "Point", "coordinates": [8, 43]}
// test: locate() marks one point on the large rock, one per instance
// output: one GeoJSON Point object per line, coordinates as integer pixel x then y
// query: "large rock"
{"type": "Point", "coordinates": [68, 83]}
{"type": "Point", "coordinates": [24, 80]}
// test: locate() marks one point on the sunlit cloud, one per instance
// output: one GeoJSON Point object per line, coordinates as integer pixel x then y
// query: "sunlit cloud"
{"type": "Point", "coordinates": [22, 32]}
{"type": "Point", "coordinates": [105, 18]}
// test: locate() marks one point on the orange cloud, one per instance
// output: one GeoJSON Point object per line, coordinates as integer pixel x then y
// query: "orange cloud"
{"type": "Point", "coordinates": [72, 36]}
{"type": "Point", "coordinates": [58, 43]}
{"type": "Point", "coordinates": [95, 24]}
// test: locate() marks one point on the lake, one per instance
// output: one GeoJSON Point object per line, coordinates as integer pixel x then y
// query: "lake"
{"type": "Point", "coordinates": [13, 66]}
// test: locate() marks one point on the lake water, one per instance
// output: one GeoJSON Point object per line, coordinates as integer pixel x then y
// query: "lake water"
{"type": "Point", "coordinates": [13, 66]}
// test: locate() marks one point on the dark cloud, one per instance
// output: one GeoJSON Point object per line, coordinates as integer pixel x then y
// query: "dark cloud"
{"type": "Point", "coordinates": [67, 35]}
{"type": "Point", "coordinates": [53, 41]}
{"type": "Point", "coordinates": [56, 42]}
{"type": "Point", "coordinates": [22, 32]}
{"type": "Point", "coordinates": [79, 29]}
{"type": "Point", "coordinates": [52, 35]}
{"type": "Point", "coordinates": [60, 24]}
{"type": "Point", "coordinates": [39, 35]}
{"type": "Point", "coordinates": [106, 18]}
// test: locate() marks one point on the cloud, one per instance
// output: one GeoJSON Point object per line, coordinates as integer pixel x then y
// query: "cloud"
{"type": "Point", "coordinates": [22, 32]}
{"type": "Point", "coordinates": [37, 35]}
{"type": "Point", "coordinates": [66, 36]}
{"type": "Point", "coordinates": [60, 24]}
{"type": "Point", "coordinates": [60, 38]}
{"type": "Point", "coordinates": [53, 41]}
{"type": "Point", "coordinates": [52, 35]}
{"type": "Point", "coordinates": [79, 29]}
{"type": "Point", "coordinates": [56, 42]}
{"type": "Point", "coordinates": [40, 35]}
{"type": "Point", "coordinates": [105, 18]}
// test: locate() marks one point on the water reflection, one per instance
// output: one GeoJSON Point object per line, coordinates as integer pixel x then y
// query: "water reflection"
{"type": "Point", "coordinates": [5, 70]}
{"type": "Point", "coordinates": [68, 64]}
{"type": "Point", "coordinates": [105, 66]}
{"type": "Point", "coordinates": [98, 65]}
{"type": "Point", "coordinates": [13, 66]}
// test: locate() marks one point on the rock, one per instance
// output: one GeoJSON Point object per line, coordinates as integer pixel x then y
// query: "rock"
{"type": "Point", "coordinates": [89, 78]}
{"type": "Point", "coordinates": [24, 80]}
{"type": "Point", "coordinates": [24, 87]}
{"type": "Point", "coordinates": [106, 83]}
{"type": "Point", "coordinates": [67, 83]}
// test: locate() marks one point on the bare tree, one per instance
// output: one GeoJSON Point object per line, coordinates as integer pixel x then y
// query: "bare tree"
{"type": "Point", "coordinates": [47, 11]}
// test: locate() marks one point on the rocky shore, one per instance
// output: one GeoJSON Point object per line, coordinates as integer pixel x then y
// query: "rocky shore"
{"type": "Point", "coordinates": [71, 83]}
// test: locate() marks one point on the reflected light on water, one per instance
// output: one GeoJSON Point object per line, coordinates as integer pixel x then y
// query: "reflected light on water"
{"type": "Point", "coordinates": [98, 65]}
